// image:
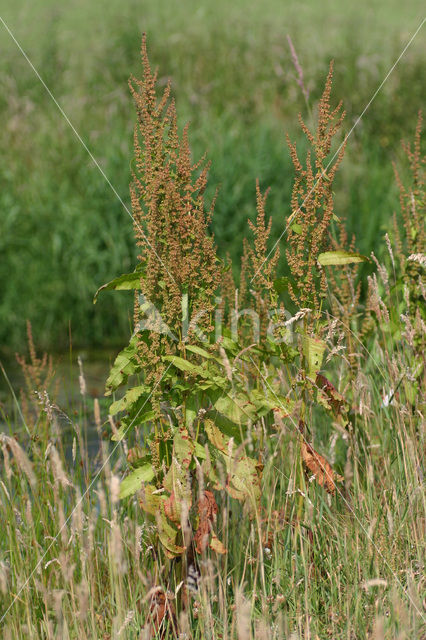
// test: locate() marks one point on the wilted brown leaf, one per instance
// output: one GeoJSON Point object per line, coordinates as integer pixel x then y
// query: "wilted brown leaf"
{"type": "Point", "coordinates": [162, 615]}
{"type": "Point", "coordinates": [334, 398]}
{"type": "Point", "coordinates": [207, 511]}
{"type": "Point", "coordinates": [319, 467]}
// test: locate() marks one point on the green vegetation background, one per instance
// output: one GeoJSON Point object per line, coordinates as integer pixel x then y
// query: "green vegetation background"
{"type": "Point", "coordinates": [63, 232]}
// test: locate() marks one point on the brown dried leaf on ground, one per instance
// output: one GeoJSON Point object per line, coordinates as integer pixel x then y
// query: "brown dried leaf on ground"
{"type": "Point", "coordinates": [162, 621]}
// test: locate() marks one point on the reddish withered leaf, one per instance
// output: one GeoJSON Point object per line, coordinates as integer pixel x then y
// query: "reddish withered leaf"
{"type": "Point", "coordinates": [319, 467]}
{"type": "Point", "coordinates": [335, 399]}
{"type": "Point", "coordinates": [207, 510]}
{"type": "Point", "coordinates": [316, 464]}
{"type": "Point", "coordinates": [162, 615]}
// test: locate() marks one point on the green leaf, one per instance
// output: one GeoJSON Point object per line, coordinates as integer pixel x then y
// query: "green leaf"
{"type": "Point", "coordinates": [297, 228]}
{"type": "Point", "coordinates": [133, 421]}
{"type": "Point", "coordinates": [128, 399]}
{"type": "Point", "coordinates": [125, 282]}
{"type": "Point", "coordinates": [184, 365]}
{"type": "Point", "coordinates": [216, 437]}
{"type": "Point", "coordinates": [282, 284]}
{"type": "Point", "coordinates": [200, 451]}
{"type": "Point", "coordinates": [244, 476]}
{"type": "Point", "coordinates": [268, 400]}
{"type": "Point", "coordinates": [167, 534]}
{"type": "Point", "coordinates": [133, 482]}
{"type": "Point", "coordinates": [340, 257]}
{"type": "Point", "coordinates": [201, 352]}
{"type": "Point", "coordinates": [124, 365]}
{"type": "Point", "coordinates": [150, 500]}
{"type": "Point", "coordinates": [236, 407]}
{"type": "Point", "coordinates": [313, 350]}
{"type": "Point", "coordinates": [183, 447]}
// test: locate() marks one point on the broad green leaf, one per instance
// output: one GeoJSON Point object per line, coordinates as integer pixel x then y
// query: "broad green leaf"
{"type": "Point", "coordinates": [230, 345]}
{"type": "Point", "coordinates": [183, 447]}
{"type": "Point", "coordinates": [125, 282]}
{"type": "Point", "coordinates": [268, 400]}
{"type": "Point", "coordinates": [313, 350]}
{"type": "Point", "coordinates": [124, 365]}
{"type": "Point", "coordinates": [150, 500]}
{"type": "Point", "coordinates": [133, 482]}
{"type": "Point", "coordinates": [340, 257]}
{"type": "Point", "coordinates": [199, 451]}
{"type": "Point", "coordinates": [192, 405]}
{"type": "Point", "coordinates": [133, 421]}
{"type": "Point", "coordinates": [226, 426]}
{"type": "Point", "coordinates": [137, 456]}
{"type": "Point", "coordinates": [297, 228]}
{"type": "Point", "coordinates": [128, 399]}
{"type": "Point", "coordinates": [243, 479]}
{"type": "Point", "coordinates": [167, 534]}
{"type": "Point", "coordinates": [184, 365]}
{"type": "Point", "coordinates": [216, 437]}
{"type": "Point", "coordinates": [236, 407]}
{"type": "Point", "coordinates": [201, 352]}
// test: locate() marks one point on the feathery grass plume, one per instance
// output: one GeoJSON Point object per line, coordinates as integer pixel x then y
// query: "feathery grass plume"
{"type": "Point", "coordinates": [345, 292]}
{"type": "Point", "coordinates": [411, 249]}
{"type": "Point", "coordinates": [412, 197]}
{"type": "Point", "coordinates": [312, 204]}
{"type": "Point", "coordinates": [178, 255]}
{"type": "Point", "coordinates": [38, 375]}
{"type": "Point", "coordinates": [298, 68]}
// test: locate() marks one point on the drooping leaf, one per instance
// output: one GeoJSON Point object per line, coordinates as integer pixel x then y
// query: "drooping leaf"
{"type": "Point", "coordinates": [150, 499]}
{"type": "Point", "coordinates": [317, 465]}
{"type": "Point", "coordinates": [333, 398]}
{"type": "Point", "coordinates": [184, 365]}
{"type": "Point", "coordinates": [216, 544]}
{"type": "Point", "coordinates": [133, 482]}
{"type": "Point", "coordinates": [207, 510]}
{"type": "Point", "coordinates": [128, 399]}
{"type": "Point", "coordinates": [183, 447]}
{"type": "Point", "coordinates": [340, 257]}
{"type": "Point", "coordinates": [237, 407]}
{"type": "Point", "coordinates": [313, 350]}
{"type": "Point", "coordinates": [167, 533]}
{"type": "Point", "coordinates": [216, 437]}
{"type": "Point", "coordinates": [173, 508]}
{"type": "Point", "coordinates": [176, 480]}
{"type": "Point", "coordinates": [201, 352]}
{"type": "Point", "coordinates": [125, 282]}
{"type": "Point", "coordinates": [124, 365]}
{"type": "Point", "coordinates": [244, 480]}
{"type": "Point", "coordinates": [137, 456]}
{"type": "Point", "coordinates": [267, 400]}
{"type": "Point", "coordinates": [146, 414]}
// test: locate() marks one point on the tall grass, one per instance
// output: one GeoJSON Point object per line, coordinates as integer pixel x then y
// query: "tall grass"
{"type": "Point", "coordinates": [79, 564]}
{"type": "Point", "coordinates": [62, 229]}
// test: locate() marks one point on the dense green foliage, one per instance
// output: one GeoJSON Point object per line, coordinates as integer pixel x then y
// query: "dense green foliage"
{"type": "Point", "coordinates": [62, 229]}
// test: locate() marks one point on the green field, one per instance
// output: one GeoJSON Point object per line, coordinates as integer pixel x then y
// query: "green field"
{"type": "Point", "coordinates": [63, 232]}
